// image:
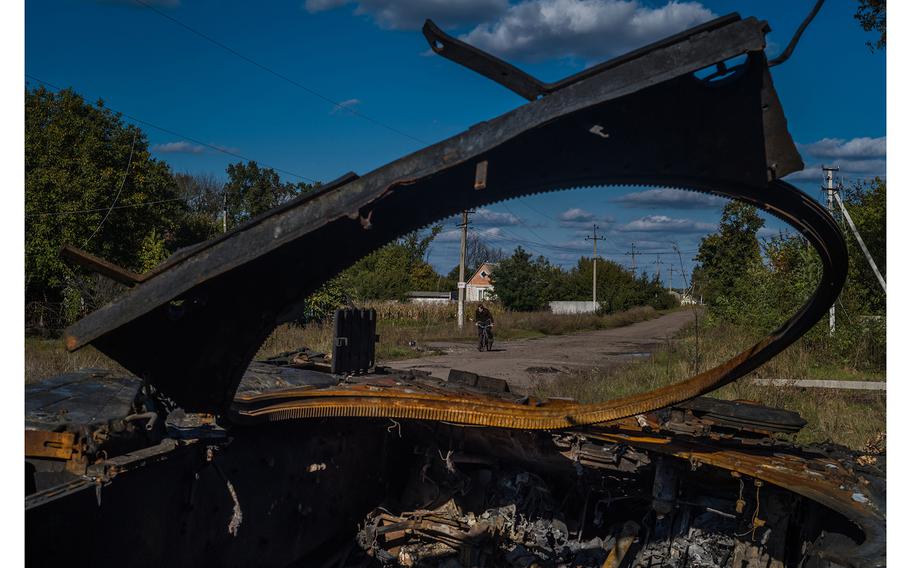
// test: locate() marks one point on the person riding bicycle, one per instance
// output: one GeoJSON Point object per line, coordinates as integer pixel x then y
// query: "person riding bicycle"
{"type": "Point", "coordinates": [484, 318]}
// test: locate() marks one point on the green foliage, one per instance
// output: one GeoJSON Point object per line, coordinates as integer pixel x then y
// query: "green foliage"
{"type": "Point", "coordinates": [151, 251]}
{"type": "Point", "coordinates": [394, 270]}
{"type": "Point", "coordinates": [252, 190]}
{"type": "Point", "coordinates": [760, 293]}
{"type": "Point", "coordinates": [76, 158]}
{"type": "Point", "coordinates": [871, 16]}
{"type": "Point", "coordinates": [725, 257]}
{"type": "Point", "coordinates": [526, 284]}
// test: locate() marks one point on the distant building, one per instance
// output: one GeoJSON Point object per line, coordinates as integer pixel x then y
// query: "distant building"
{"type": "Point", "coordinates": [684, 298]}
{"type": "Point", "coordinates": [432, 297]}
{"type": "Point", "coordinates": [573, 307]}
{"type": "Point", "coordinates": [479, 287]}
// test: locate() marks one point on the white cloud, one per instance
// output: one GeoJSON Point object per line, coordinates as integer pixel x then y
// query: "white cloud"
{"type": "Point", "coordinates": [181, 147]}
{"type": "Point", "coordinates": [592, 30]}
{"type": "Point", "coordinates": [855, 149]}
{"type": "Point", "coordinates": [671, 199]}
{"type": "Point", "coordinates": [663, 223]}
{"type": "Point", "coordinates": [346, 105]}
{"type": "Point", "coordinates": [488, 218]}
{"type": "Point", "coordinates": [858, 158]}
{"type": "Point", "coordinates": [577, 218]}
{"type": "Point", "coordinates": [410, 14]}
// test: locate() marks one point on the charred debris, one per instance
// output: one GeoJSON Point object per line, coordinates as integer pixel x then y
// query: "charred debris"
{"type": "Point", "coordinates": [202, 457]}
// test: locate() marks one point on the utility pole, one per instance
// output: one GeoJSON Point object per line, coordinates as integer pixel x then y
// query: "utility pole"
{"type": "Point", "coordinates": [461, 283]}
{"type": "Point", "coordinates": [671, 276]}
{"type": "Point", "coordinates": [829, 194]}
{"type": "Point", "coordinates": [658, 262]}
{"type": "Point", "coordinates": [223, 211]}
{"type": "Point", "coordinates": [595, 238]}
{"type": "Point", "coordinates": [633, 253]}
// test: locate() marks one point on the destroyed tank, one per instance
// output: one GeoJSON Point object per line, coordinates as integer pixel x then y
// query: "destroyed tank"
{"type": "Point", "coordinates": [198, 455]}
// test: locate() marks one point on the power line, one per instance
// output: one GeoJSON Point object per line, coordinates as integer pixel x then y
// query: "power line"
{"type": "Point", "coordinates": [126, 172]}
{"type": "Point", "coordinates": [281, 76]}
{"type": "Point", "coordinates": [182, 136]}
{"type": "Point", "coordinates": [80, 211]}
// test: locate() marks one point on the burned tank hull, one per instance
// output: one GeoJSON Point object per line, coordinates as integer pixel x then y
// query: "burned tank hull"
{"type": "Point", "coordinates": [210, 459]}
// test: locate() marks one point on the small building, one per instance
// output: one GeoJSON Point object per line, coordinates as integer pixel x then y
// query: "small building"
{"type": "Point", "coordinates": [431, 297]}
{"type": "Point", "coordinates": [479, 288]}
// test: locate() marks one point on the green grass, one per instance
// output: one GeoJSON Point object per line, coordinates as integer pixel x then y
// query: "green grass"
{"type": "Point", "coordinates": [845, 418]}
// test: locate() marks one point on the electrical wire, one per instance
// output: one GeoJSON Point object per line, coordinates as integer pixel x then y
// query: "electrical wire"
{"type": "Point", "coordinates": [126, 173]}
{"type": "Point", "coordinates": [80, 211]}
{"type": "Point", "coordinates": [281, 76]}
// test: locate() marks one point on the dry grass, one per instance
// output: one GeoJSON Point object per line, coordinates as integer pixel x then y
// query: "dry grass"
{"type": "Point", "coordinates": [404, 329]}
{"type": "Point", "coordinates": [47, 357]}
{"type": "Point", "coordinates": [840, 417]}
{"type": "Point", "coordinates": [400, 326]}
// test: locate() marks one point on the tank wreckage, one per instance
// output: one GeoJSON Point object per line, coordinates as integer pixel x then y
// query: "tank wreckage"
{"type": "Point", "coordinates": [202, 456]}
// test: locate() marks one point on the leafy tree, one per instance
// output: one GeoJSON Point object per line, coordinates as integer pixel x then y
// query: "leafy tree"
{"type": "Point", "coordinates": [725, 256]}
{"type": "Point", "coordinates": [524, 284]}
{"type": "Point", "coordinates": [866, 203]}
{"type": "Point", "coordinates": [82, 158]}
{"type": "Point", "coordinates": [871, 16]}
{"type": "Point", "coordinates": [394, 270]}
{"type": "Point", "coordinates": [201, 221]}
{"type": "Point", "coordinates": [252, 190]}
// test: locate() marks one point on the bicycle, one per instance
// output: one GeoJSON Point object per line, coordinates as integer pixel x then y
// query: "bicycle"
{"type": "Point", "coordinates": [485, 341]}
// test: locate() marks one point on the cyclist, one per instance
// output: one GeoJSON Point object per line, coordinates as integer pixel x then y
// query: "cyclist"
{"type": "Point", "coordinates": [484, 319]}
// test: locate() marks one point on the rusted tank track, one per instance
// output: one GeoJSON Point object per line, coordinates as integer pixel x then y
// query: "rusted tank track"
{"type": "Point", "coordinates": [192, 327]}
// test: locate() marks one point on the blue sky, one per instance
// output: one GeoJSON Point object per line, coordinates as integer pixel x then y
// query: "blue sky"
{"type": "Point", "coordinates": [370, 56]}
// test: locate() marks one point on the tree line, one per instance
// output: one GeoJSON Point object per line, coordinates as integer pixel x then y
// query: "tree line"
{"type": "Point", "coordinates": [91, 181]}
{"type": "Point", "coordinates": [757, 283]}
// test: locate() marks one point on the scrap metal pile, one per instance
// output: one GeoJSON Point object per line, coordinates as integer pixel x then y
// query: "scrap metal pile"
{"type": "Point", "coordinates": [203, 457]}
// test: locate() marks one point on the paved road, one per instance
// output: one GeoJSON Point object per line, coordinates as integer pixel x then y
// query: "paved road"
{"type": "Point", "coordinates": [521, 360]}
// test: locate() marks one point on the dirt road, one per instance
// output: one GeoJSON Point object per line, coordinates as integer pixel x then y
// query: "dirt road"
{"type": "Point", "coordinates": [516, 361]}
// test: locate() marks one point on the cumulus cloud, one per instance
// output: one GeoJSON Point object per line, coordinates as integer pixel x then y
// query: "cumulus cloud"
{"type": "Point", "coordinates": [592, 30]}
{"type": "Point", "coordinates": [181, 147]}
{"type": "Point", "coordinates": [410, 14]}
{"type": "Point", "coordinates": [671, 199]}
{"type": "Point", "coordinates": [858, 157]}
{"type": "Point", "coordinates": [577, 218]}
{"type": "Point", "coordinates": [488, 218]}
{"type": "Point", "coordinates": [855, 149]}
{"type": "Point", "coordinates": [663, 223]}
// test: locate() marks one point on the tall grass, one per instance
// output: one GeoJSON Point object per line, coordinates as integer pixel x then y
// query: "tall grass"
{"type": "Point", "coordinates": [840, 417]}
{"type": "Point", "coordinates": [47, 357]}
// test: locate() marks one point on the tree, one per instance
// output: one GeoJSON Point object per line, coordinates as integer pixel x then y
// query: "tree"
{"type": "Point", "coordinates": [871, 16]}
{"type": "Point", "coordinates": [724, 257]}
{"type": "Point", "coordinates": [201, 221]}
{"type": "Point", "coordinates": [251, 190]}
{"type": "Point", "coordinates": [394, 270]}
{"type": "Point", "coordinates": [87, 175]}
{"type": "Point", "coordinates": [524, 284]}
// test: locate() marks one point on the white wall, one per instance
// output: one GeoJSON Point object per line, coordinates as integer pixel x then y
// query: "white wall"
{"type": "Point", "coordinates": [573, 307]}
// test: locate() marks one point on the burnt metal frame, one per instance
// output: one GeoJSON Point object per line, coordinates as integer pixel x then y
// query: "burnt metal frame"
{"type": "Point", "coordinates": [193, 326]}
